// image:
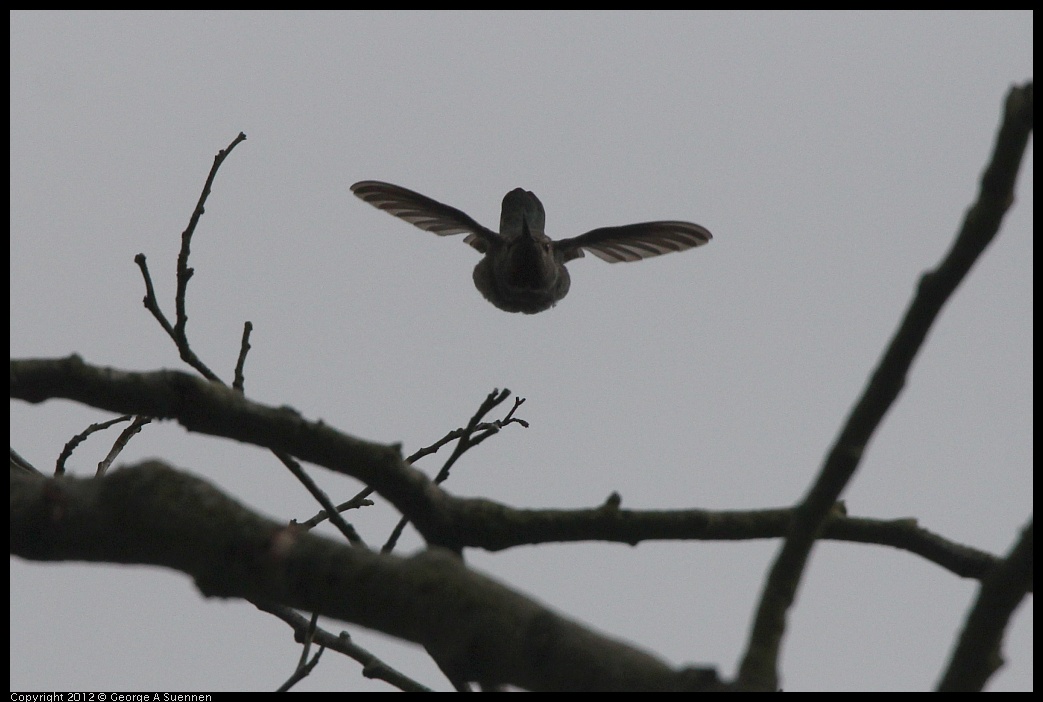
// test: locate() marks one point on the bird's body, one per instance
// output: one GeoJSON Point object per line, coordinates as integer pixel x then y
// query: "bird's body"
{"type": "Point", "coordinates": [523, 270]}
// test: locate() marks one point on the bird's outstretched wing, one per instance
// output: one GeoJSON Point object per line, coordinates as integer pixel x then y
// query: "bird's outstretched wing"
{"type": "Point", "coordinates": [421, 211]}
{"type": "Point", "coordinates": [633, 242]}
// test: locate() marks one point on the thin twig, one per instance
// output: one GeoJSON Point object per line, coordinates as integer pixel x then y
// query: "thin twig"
{"type": "Point", "coordinates": [70, 446]}
{"type": "Point", "coordinates": [373, 667]}
{"type": "Point", "coordinates": [467, 438]}
{"type": "Point", "coordinates": [121, 442]}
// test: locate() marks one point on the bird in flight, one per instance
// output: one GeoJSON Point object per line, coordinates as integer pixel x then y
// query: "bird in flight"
{"type": "Point", "coordinates": [523, 269]}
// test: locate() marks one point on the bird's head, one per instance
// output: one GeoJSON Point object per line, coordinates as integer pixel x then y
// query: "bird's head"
{"type": "Point", "coordinates": [522, 211]}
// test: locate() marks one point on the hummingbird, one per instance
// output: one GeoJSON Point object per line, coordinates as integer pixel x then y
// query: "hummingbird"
{"type": "Point", "coordinates": [523, 269]}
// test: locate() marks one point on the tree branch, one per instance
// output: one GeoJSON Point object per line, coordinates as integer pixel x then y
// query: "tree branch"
{"type": "Point", "coordinates": [759, 669]}
{"type": "Point", "coordinates": [476, 628]}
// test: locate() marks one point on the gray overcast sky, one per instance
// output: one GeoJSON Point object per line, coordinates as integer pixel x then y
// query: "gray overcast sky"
{"type": "Point", "coordinates": [832, 156]}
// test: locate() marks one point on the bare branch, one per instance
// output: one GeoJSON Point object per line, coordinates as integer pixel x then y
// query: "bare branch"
{"type": "Point", "coordinates": [759, 669]}
{"type": "Point", "coordinates": [152, 514]}
{"type": "Point", "coordinates": [978, 655]}
{"type": "Point", "coordinates": [373, 667]}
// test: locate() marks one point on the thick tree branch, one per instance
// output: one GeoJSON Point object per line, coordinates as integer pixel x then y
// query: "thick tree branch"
{"type": "Point", "coordinates": [476, 628]}
{"type": "Point", "coordinates": [443, 519]}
